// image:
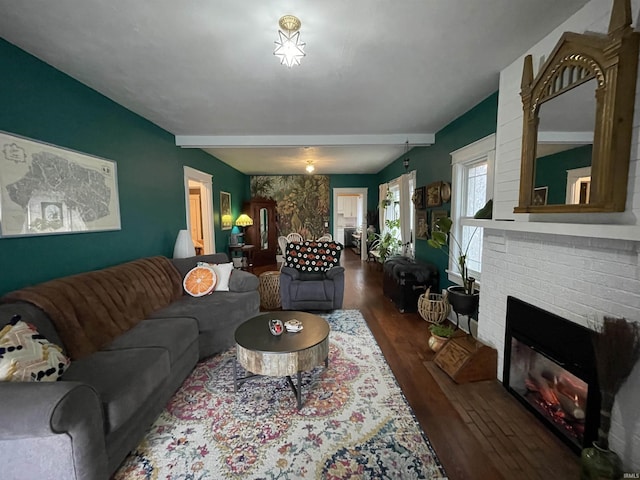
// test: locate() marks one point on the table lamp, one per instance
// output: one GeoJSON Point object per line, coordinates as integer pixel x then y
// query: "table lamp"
{"type": "Point", "coordinates": [243, 221]}
{"type": "Point", "coordinates": [184, 247]}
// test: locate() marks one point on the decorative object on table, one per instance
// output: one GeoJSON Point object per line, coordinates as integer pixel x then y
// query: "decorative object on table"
{"type": "Point", "coordinates": [184, 247]}
{"type": "Point", "coordinates": [485, 212]}
{"type": "Point", "coordinates": [616, 343]}
{"type": "Point", "coordinates": [463, 299]}
{"type": "Point", "coordinates": [540, 196]}
{"type": "Point", "coordinates": [419, 198]}
{"type": "Point", "coordinates": [209, 429]}
{"type": "Point", "coordinates": [275, 327]}
{"type": "Point", "coordinates": [52, 190]}
{"type": "Point", "coordinates": [236, 238]}
{"type": "Point", "coordinates": [422, 225]}
{"type": "Point", "coordinates": [433, 194]}
{"type": "Point", "coordinates": [225, 211]}
{"type": "Point", "coordinates": [445, 192]}
{"type": "Point", "coordinates": [293, 325]}
{"type": "Point", "coordinates": [440, 334]}
{"type": "Point", "coordinates": [433, 307]}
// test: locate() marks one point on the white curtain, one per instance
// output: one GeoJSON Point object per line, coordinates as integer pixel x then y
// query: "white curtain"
{"type": "Point", "coordinates": [382, 192]}
{"type": "Point", "coordinates": [405, 212]}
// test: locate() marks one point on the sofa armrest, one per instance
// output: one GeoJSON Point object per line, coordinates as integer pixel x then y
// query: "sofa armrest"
{"type": "Point", "coordinates": [64, 416]}
{"type": "Point", "coordinates": [334, 272]}
{"type": "Point", "coordinates": [241, 281]}
{"type": "Point", "coordinates": [290, 272]}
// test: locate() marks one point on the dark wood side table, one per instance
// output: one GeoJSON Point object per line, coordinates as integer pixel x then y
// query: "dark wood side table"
{"type": "Point", "coordinates": [246, 251]}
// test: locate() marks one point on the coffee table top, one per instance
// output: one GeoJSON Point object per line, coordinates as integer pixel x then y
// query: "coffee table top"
{"type": "Point", "coordinates": [254, 334]}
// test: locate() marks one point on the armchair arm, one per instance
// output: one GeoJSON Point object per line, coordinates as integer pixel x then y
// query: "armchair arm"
{"type": "Point", "coordinates": [241, 281]}
{"type": "Point", "coordinates": [65, 417]}
{"type": "Point", "coordinates": [291, 272]}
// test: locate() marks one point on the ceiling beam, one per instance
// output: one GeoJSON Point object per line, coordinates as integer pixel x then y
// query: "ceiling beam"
{"type": "Point", "coordinates": [248, 141]}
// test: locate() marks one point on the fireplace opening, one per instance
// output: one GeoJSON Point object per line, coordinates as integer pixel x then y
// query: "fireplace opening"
{"type": "Point", "coordinates": [549, 366]}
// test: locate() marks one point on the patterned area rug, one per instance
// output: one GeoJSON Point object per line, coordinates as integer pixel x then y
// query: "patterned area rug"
{"type": "Point", "coordinates": [355, 422]}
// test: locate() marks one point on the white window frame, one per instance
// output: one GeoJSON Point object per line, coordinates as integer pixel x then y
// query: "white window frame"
{"type": "Point", "coordinates": [461, 160]}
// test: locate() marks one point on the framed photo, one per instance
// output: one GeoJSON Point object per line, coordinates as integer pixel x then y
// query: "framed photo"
{"type": "Point", "coordinates": [225, 211]}
{"type": "Point", "coordinates": [437, 215]}
{"type": "Point", "coordinates": [418, 198]}
{"type": "Point", "coordinates": [422, 225]}
{"type": "Point", "coordinates": [434, 199]}
{"type": "Point", "coordinates": [540, 195]}
{"type": "Point", "coordinates": [50, 190]}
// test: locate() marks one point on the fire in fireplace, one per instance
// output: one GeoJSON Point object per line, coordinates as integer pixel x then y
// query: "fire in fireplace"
{"type": "Point", "coordinates": [550, 367]}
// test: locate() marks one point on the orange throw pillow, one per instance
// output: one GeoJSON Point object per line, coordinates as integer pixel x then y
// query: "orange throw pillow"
{"type": "Point", "coordinates": [200, 281]}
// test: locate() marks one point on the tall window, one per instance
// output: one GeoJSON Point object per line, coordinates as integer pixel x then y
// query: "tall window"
{"type": "Point", "coordinates": [401, 208]}
{"type": "Point", "coordinates": [472, 187]}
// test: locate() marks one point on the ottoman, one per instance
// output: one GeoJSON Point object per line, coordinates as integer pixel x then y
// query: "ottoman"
{"type": "Point", "coordinates": [405, 279]}
{"type": "Point", "coordinates": [269, 289]}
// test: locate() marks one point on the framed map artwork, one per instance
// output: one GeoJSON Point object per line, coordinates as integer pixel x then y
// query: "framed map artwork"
{"type": "Point", "coordinates": [48, 190]}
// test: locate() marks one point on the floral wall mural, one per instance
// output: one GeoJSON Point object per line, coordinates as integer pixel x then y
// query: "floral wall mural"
{"type": "Point", "coordinates": [303, 201]}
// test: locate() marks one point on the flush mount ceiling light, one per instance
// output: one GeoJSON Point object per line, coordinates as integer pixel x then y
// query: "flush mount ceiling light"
{"type": "Point", "coordinates": [289, 49]}
{"type": "Point", "coordinates": [309, 168]}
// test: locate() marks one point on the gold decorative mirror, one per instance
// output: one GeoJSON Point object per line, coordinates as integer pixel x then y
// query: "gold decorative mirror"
{"type": "Point", "coordinates": [578, 115]}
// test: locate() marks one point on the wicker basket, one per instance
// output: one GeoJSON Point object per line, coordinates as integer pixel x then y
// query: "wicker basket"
{"type": "Point", "coordinates": [433, 307]}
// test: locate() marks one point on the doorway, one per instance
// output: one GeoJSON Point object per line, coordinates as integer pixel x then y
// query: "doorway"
{"type": "Point", "coordinates": [198, 189]}
{"type": "Point", "coordinates": [350, 218]}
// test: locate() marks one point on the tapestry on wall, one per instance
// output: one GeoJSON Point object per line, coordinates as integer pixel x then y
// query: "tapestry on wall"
{"type": "Point", "coordinates": [303, 201]}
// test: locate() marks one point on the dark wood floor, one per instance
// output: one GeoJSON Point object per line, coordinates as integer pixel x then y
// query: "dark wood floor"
{"type": "Point", "coordinates": [466, 451]}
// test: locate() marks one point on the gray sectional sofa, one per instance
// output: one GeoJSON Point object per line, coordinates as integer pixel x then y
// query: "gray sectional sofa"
{"type": "Point", "coordinates": [133, 336]}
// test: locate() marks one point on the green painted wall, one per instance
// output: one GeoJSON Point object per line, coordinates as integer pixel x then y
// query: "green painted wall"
{"type": "Point", "coordinates": [433, 163]}
{"type": "Point", "coordinates": [551, 171]}
{"type": "Point", "coordinates": [42, 103]}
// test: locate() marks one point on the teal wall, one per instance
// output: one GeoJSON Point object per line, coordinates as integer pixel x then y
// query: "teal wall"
{"type": "Point", "coordinates": [433, 163]}
{"type": "Point", "coordinates": [42, 103]}
{"type": "Point", "coordinates": [551, 171]}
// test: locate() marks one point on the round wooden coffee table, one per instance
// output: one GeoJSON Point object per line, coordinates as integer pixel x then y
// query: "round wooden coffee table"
{"type": "Point", "coordinates": [261, 353]}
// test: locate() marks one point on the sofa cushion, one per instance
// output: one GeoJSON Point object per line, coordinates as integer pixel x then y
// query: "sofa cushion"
{"type": "Point", "coordinates": [26, 356]}
{"type": "Point", "coordinates": [311, 256]}
{"type": "Point", "coordinates": [200, 280]}
{"type": "Point", "coordinates": [124, 379]}
{"type": "Point", "coordinates": [173, 334]}
{"type": "Point", "coordinates": [223, 274]}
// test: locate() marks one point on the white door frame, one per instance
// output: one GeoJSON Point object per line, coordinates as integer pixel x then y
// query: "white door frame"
{"type": "Point", "coordinates": [206, 182]}
{"type": "Point", "coordinates": [363, 226]}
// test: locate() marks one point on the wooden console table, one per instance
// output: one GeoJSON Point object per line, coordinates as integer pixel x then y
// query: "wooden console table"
{"type": "Point", "coordinates": [246, 252]}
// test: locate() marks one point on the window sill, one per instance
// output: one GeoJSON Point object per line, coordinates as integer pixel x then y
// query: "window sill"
{"type": "Point", "coordinates": [457, 279]}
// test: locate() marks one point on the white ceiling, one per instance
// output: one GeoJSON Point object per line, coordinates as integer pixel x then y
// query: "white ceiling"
{"type": "Point", "coordinates": [377, 72]}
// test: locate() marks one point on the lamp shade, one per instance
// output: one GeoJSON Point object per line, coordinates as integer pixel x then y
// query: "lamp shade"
{"type": "Point", "coordinates": [184, 245]}
{"type": "Point", "coordinates": [244, 220]}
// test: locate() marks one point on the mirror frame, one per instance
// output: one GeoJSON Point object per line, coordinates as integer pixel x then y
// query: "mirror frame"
{"type": "Point", "coordinates": [611, 59]}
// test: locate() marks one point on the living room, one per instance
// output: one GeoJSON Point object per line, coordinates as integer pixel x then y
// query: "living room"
{"type": "Point", "coordinates": [578, 266]}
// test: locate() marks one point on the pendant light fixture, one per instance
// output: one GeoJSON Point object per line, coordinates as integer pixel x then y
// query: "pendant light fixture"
{"type": "Point", "coordinates": [405, 161]}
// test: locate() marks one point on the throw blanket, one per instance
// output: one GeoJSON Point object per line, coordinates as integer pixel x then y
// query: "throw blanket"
{"type": "Point", "coordinates": [90, 309]}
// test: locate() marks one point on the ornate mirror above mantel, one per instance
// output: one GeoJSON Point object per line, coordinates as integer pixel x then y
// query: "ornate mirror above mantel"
{"type": "Point", "coordinates": [578, 114]}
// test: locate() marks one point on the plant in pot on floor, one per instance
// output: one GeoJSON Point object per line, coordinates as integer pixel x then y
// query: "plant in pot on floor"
{"type": "Point", "coordinates": [440, 333]}
{"type": "Point", "coordinates": [463, 298]}
{"type": "Point", "coordinates": [387, 243]}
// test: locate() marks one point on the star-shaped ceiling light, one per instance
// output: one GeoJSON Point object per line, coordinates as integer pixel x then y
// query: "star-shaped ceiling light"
{"type": "Point", "coordinates": [288, 46]}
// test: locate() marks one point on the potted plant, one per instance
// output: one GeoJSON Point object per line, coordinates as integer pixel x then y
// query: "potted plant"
{"type": "Point", "coordinates": [387, 242]}
{"type": "Point", "coordinates": [463, 298]}
{"type": "Point", "coordinates": [439, 335]}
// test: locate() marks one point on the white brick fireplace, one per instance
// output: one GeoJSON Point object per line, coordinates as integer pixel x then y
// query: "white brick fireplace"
{"type": "Point", "coordinates": [576, 270]}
